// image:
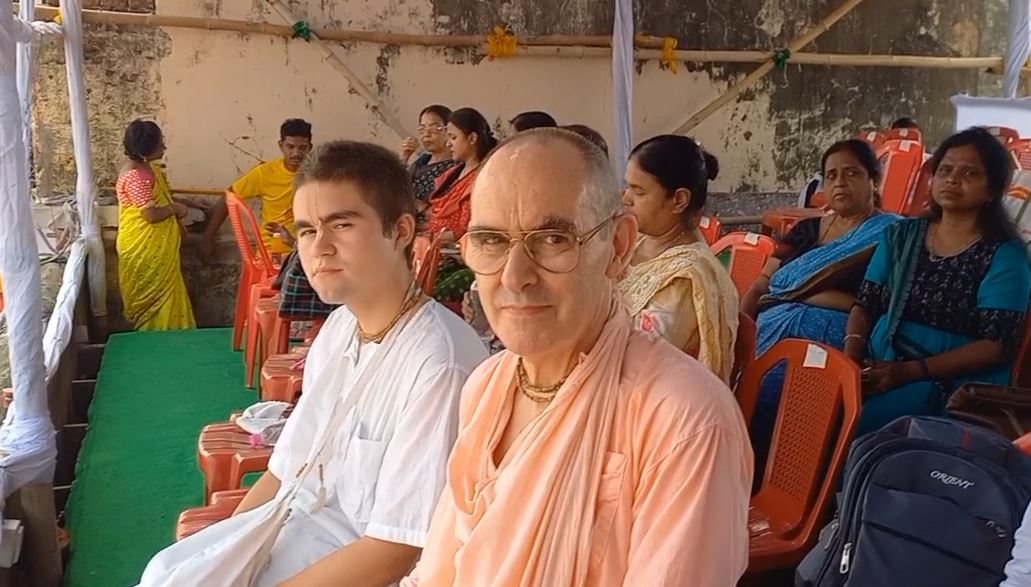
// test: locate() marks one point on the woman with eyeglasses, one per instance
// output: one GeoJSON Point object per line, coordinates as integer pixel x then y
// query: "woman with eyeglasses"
{"type": "Point", "coordinates": [470, 138]}
{"type": "Point", "coordinates": [676, 287]}
{"type": "Point", "coordinates": [436, 160]}
{"type": "Point", "coordinates": [945, 296]}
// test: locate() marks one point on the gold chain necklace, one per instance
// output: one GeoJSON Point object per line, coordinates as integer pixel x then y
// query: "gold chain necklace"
{"type": "Point", "coordinates": [540, 395]}
{"type": "Point", "coordinates": [412, 298]}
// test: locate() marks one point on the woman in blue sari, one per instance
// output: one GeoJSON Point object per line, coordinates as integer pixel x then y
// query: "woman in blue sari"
{"type": "Point", "coordinates": [817, 269]}
{"type": "Point", "coordinates": [945, 296]}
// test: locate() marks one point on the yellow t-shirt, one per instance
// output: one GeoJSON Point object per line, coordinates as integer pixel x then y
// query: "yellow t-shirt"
{"type": "Point", "coordinates": [274, 184]}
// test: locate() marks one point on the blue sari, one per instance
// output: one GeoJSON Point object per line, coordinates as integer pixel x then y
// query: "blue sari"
{"type": "Point", "coordinates": [1005, 286]}
{"type": "Point", "coordinates": [784, 315]}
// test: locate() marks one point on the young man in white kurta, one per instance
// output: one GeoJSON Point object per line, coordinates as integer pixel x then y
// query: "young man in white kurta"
{"type": "Point", "coordinates": [386, 466]}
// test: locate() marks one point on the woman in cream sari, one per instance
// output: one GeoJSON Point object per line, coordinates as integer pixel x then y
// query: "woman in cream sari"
{"type": "Point", "coordinates": [676, 287]}
{"type": "Point", "coordinates": [149, 236]}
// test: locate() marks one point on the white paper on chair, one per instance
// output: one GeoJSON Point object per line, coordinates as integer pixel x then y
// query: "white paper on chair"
{"type": "Point", "coordinates": [815, 358]}
{"type": "Point", "coordinates": [752, 238]}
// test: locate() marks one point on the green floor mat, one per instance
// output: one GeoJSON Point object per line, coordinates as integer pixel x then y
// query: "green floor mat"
{"type": "Point", "coordinates": [138, 465]}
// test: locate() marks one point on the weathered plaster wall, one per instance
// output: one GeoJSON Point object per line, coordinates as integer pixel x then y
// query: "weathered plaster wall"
{"type": "Point", "coordinates": [221, 96]}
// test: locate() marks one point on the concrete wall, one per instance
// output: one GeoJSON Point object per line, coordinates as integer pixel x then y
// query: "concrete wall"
{"type": "Point", "coordinates": [221, 96]}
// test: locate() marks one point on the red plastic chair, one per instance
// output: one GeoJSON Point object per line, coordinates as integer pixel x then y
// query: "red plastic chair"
{"type": "Point", "coordinates": [748, 256]}
{"type": "Point", "coordinates": [816, 422]}
{"type": "Point", "coordinates": [256, 262]}
{"type": "Point", "coordinates": [711, 228]}
{"type": "Point", "coordinates": [744, 347]}
{"type": "Point", "coordinates": [223, 504]}
{"type": "Point", "coordinates": [900, 165]}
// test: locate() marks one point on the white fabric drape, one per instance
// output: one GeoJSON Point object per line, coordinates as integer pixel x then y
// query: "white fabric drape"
{"type": "Point", "coordinates": [977, 111]}
{"type": "Point", "coordinates": [27, 436]}
{"type": "Point", "coordinates": [85, 185]}
{"type": "Point", "coordinates": [27, 12]}
{"type": "Point", "coordinates": [623, 82]}
{"type": "Point", "coordinates": [1017, 45]}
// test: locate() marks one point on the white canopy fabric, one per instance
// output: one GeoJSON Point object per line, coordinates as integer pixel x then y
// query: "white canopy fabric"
{"type": "Point", "coordinates": [623, 82]}
{"type": "Point", "coordinates": [1017, 45]}
{"type": "Point", "coordinates": [85, 185]}
{"type": "Point", "coordinates": [27, 449]}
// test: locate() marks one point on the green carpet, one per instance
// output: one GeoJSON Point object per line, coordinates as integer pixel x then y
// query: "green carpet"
{"type": "Point", "coordinates": [138, 465]}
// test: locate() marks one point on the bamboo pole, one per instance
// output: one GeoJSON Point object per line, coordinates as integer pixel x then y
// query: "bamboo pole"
{"type": "Point", "coordinates": [761, 72]}
{"type": "Point", "coordinates": [356, 83]}
{"type": "Point", "coordinates": [536, 46]}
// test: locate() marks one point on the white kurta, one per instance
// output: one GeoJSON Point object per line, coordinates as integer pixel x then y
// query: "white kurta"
{"type": "Point", "coordinates": [387, 465]}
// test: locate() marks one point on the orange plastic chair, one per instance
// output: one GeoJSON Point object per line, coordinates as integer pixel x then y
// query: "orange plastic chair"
{"type": "Point", "coordinates": [749, 253]}
{"type": "Point", "coordinates": [262, 314]}
{"type": "Point", "coordinates": [1005, 134]}
{"type": "Point", "coordinates": [1024, 443]}
{"type": "Point", "coordinates": [816, 422]}
{"type": "Point", "coordinates": [903, 134]}
{"type": "Point", "coordinates": [223, 504]}
{"type": "Point", "coordinates": [779, 221]}
{"type": "Point", "coordinates": [710, 227]}
{"type": "Point", "coordinates": [225, 455]}
{"type": "Point", "coordinates": [900, 166]}
{"type": "Point", "coordinates": [744, 347]}
{"type": "Point", "coordinates": [281, 377]}
{"type": "Point", "coordinates": [920, 200]}
{"type": "Point", "coordinates": [876, 138]}
{"type": "Point", "coordinates": [256, 262]}
{"type": "Point", "coordinates": [426, 262]}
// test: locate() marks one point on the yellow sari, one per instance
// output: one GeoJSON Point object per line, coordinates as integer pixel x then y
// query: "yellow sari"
{"type": "Point", "coordinates": [149, 276]}
{"type": "Point", "coordinates": [688, 298]}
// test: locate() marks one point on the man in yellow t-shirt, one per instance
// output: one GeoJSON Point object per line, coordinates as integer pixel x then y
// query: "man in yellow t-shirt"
{"type": "Point", "coordinates": [273, 182]}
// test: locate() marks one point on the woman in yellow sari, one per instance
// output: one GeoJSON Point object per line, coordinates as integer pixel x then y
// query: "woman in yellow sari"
{"type": "Point", "coordinates": [149, 236]}
{"type": "Point", "coordinates": [676, 287]}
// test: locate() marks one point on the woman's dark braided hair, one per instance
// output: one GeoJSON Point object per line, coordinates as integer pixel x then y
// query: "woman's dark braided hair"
{"type": "Point", "coordinates": [142, 139]}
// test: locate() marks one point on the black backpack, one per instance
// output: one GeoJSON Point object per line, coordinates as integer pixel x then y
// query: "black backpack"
{"type": "Point", "coordinates": [926, 502]}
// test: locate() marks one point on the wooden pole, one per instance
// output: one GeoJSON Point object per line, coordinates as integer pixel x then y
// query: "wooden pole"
{"type": "Point", "coordinates": [356, 83]}
{"type": "Point", "coordinates": [576, 47]}
{"type": "Point", "coordinates": [761, 72]}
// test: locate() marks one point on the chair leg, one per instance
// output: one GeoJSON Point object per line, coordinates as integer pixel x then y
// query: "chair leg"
{"type": "Point", "coordinates": [240, 318]}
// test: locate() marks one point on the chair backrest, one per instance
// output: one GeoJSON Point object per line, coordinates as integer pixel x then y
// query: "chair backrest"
{"type": "Point", "coordinates": [901, 163]}
{"type": "Point", "coordinates": [1021, 376]}
{"type": "Point", "coordinates": [920, 200]}
{"type": "Point", "coordinates": [816, 420]}
{"type": "Point", "coordinates": [243, 220]}
{"type": "Point", "coordinates": [744, 347]}
{"type": "Point", "coordinates": [876, 138]}
{"type": "Point", "coordinates": [710, 227]}
{"type": "Point", "coordinates": [426, 262]}
{"type": "Point", "coordinates": [903, 134]}
{"type": "Point", "coordinates": [749, 253]}
{"type": "Point", "coordinates": [1005, 134]}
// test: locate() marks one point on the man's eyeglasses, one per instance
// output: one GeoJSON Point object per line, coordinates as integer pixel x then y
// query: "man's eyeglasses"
{"type": "Point", "coordinates": [485, 252]}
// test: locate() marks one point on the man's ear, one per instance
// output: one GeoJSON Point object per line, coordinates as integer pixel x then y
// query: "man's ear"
{"type": "Point", "coordinates": [404, 231]}
{"type": "Point", "coordinates": [623, 241]}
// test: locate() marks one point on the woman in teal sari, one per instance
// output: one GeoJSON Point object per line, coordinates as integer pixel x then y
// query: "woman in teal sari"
{"type": "Point", "coordinates": [817, 269]}
{"type": "Point", "coordinates": [945, 297]}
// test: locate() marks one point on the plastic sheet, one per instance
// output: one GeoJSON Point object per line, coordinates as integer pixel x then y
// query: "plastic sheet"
{"type": "Point", "coordinates": [623, 82]}
{"type": "Point", "coordinates": [1017, 44]}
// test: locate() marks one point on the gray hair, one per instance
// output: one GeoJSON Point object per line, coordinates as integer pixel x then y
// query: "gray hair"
{"type": "Point", "coordinates": [600, 198]}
